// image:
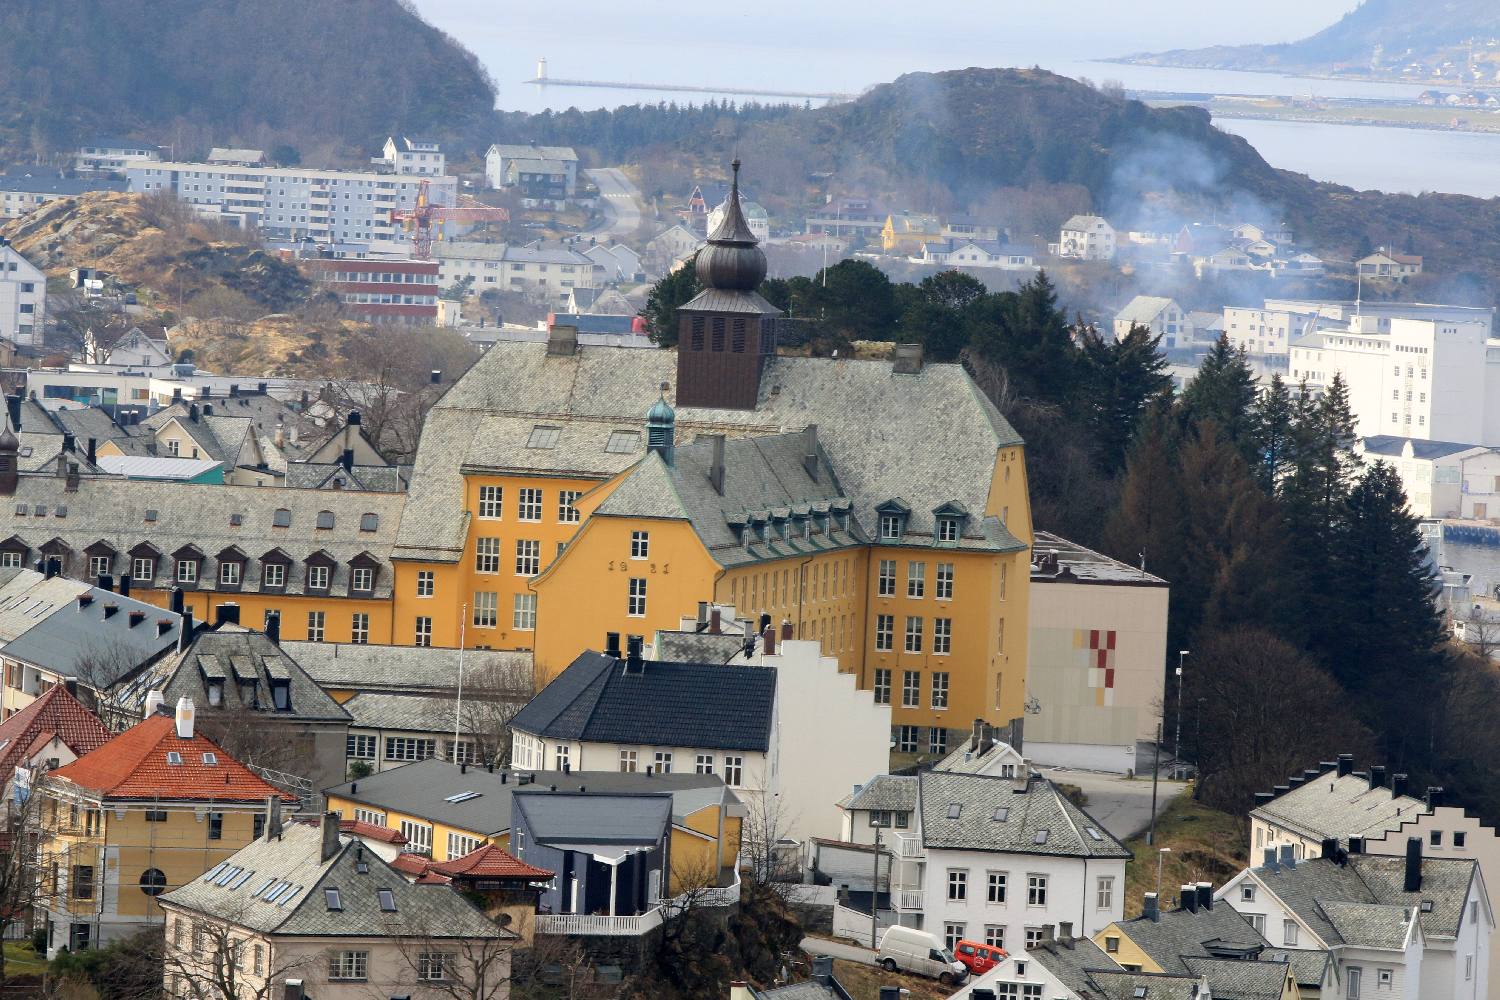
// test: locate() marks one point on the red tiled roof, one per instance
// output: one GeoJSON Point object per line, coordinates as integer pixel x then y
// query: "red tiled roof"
{"type": "Point", "coordinates": [490, 861]}
{"type": "Point", "coordinates": [369, 831]}
{"type": "Point", "coordinates": [55, 713]}
{"type": "Point", "coordinates": [134, 765]}
{"type": "Point", "coordinates": [411, 864]}
{"type": "Point", "coordinates": [433, 878]}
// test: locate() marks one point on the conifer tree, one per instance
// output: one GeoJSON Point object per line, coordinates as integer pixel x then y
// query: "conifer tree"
{"type": "Point", "coordinates": [1223, 391]}
{"type": "Point", "coordinates": [1273, 434]}
{"type": "Point", "coordinates": [1120, 378]}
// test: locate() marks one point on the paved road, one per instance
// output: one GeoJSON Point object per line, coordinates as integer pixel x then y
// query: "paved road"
{"type": "Point", "coordinates": [621, 201]}
{"type": "Point", "coordinates": [1122, 805]}
{"type": "Point", "coordinates": [837, 949]}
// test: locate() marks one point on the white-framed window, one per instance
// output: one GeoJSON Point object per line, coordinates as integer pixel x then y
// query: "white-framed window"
{"type": "Point", "coordinates": [229, 574]}
{"type": "Point", "coordinates": [886, 585]}
{"type": "Point", "coordinates": [947, 529]}
{"type": "Point", "coordinates": [704, 764]}
{"type": "Point", "coordinates": [426, 579]}
{"type": "Point", "coordinates": [359, 628]}
{"type": "Point", "coordinates": [942, 636]}
{"type": "Point", "coordinates": [940, 689]}
{"type": "Point", "coordinates": [906, 739]}
{"type": "Point", "coordinates": [628, 759]}
{"type": "Point", "coordinates": [734, 770]}
{"type": "Point", "coordinates": [349, 966]}
{"type": "Point", "coordinates": [410, 748]}
{"type": "Point", "coordinates": [913, 633]}
{"type": "Point", "coordinates": [1104, 894]}
{"type": "Point", "coordinates": [528, 557]}
{"type": "Point", "coordinates": [640, 544]}
{"type": "Point", "coordinates": [1036, 890]}
{"type": "Point", "coordinates": [663, 762]}
{"type": "Point", "coordinates": [994, 935]}
{"type": "Point", "coordinates": [566, 512]}
{"type": "Point", "coordinates": [360, 746]}
{"type": "Point", "coordinates": [911, 688]}
{"type": "Point", "coordinates": [882, 686]}
{"type": "Point", "coordinates": [885, 633]}
{"type": "Point", "coordinates": [997, 883]}
{"type": "Point", "coordinates": [1352, 976]}
{"type": "Point", "coordinates": [273, 575]}
{"type": "Point", "coordinates": [916, 578]}
{"type": "Point", "coordinates": [562, 757]}
{"type": "Point", "coordinates": [460, 844]}
{"type": "Point", "coordinates": [530, 506]}
{"type": "Point", "coordinates": [487, 555]}
{"type": "Point", "coordinates": [187, 571]}
{"type": "Point", "coordinates": [890, 527]}
{"type": "Point", "coordinates": [1383, 977]}
{"type": "Point", "coordinates": [944, 589]}
{"type": "Point", "coordinates": [1033, 938]}
{"type": "Point", "coordinates": [317, 578]}
{"type": "Point", "coordinates": [435, 966]}
{"type": "Point", "coordinates": [99, 565]}
{"type": "Point", "coordinates": [523, 614]}
{"type": "Point", "coordinates": [422, 631]}
{"type": "Point", "coordinates": [937, 740]}
{"type": "Point", "coordinates": [958, 884]}
{"type": "Point", "coordinates": [953, 933]}
{"type": "Point", "coordinates": [316, 620]}
{"type": "Point", "coordinates": [1258, 921]}
{"type": "Point", "coordinates": [486, 608]}
{"type": "Point", "coordinates": [10, 558]}
{"type": "Point", "coordinates": [1289, 933]}
{"type": "Point", "coordinates": [362, 578]}
{"type": "Point", "coordinates": [636, 605]}
{"type": "Point", "coordinates": [491, 502]}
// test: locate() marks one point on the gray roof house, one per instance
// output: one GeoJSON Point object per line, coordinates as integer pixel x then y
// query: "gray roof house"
{"type": "Point", "coordinates": [1020, 816]}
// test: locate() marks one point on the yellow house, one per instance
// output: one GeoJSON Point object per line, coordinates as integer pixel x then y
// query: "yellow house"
{"type": "Point", "coordinates": [905, 232]}
{"type": "Point", "coordinates": [146, 813]}
{"type": "Point", "coordinates": [446, 811]}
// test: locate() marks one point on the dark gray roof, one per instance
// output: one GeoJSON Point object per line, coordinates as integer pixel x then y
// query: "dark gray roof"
{"type": "Point", "coordinates": [61, 186]}
{"type": "Point", "coordinates": [115, 511]}
{"type": "Point", "coordinates": [246, 661]}
{"type": "Point", "coordinates": [929, 437]}
{"type": "Point", "coordinates": [427, 911]}
{"type": "Point", "coordinates": [407, 669]}
{"type": "Point", "coordinates": [573, 819]}
{"type": "Point", "coordinates": [1121, 985]}
{"type": "Point", "coordinates": [885, 791]}
{"type": "Point", "coordinates": [370, 478]}
{"type": "Point", "coordinates": [1237, 980]}
{"type": "Point", "coordinates": [1070, 960]}
{"type": "Point", "coordinates": [994, 816]}
{"type": "Point", "coordinates": [1392, 446]}
{"type": "Point", "coordinates": [1309, 966]}
{"type": "Point", "coordinates": [425, 713]}
{"type": "Point", "coordinates": [1181, 933]}
{"type": "Point", "coordinates": [422, 789]}
{"type": "Point", "coordinates": [1339, 807]}
{"type": "Point", "coordinates": [708, 705]}
{"type": "Point", "coordinates": [1076, 564]}
{"type": "Point", "coordinates": [93, 643]}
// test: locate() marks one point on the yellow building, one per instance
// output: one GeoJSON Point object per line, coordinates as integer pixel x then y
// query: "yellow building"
{"type": "Point", "coordinates": [146, 813]}
{"type": "Point", "coordinates": [905, 232]}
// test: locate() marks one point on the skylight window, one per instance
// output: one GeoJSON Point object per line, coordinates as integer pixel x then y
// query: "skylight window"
{"type": "Point", "coordinates": [150, 517]}
{"type": "Point", "coordinates": [369, 522]}
{"type": "Point", "coordinates": [62, 510]}
{"type": "Point", "coordinates": [1093, 834]}
{"type": "Point", "coordinates": [333, 899]}
{"type": "Point", "coordinates": [387, 900]}
{"type": "Point", "coordinates": [1002, 814]}
{"type": "Point", "coordinates": [21, 509]}
{"type": "Point", "coordinates": [362, 867]}
{"type": "Point", "coordinates": [235, 520]}
{"type": "Point", "coordinates": [263, 887]}
{"type": "Point", "coordinates": [1140, 991]}
{"type": "Point", "coordinates": [275, 891]}
{"type": "Point", "coordinates": [325, 519]}
{"type": "Point", "coordinates": [282, 518]}
{"type": "Point", "coordinates": [229, 873]}
{"type": "Point", "coordinates": [955, 809]}
{"type": "Point", "coordinates": [241, 879]}
{"type": "Point", "coordinates": [462, 797]}
{"type": "Point", "coordinates": [1426, 906]}
{"type": "Point", "coordinates": [1041, 836]}
{"type": "Point", "coordinates": [543, 437]}
{"type": "Point", "coordinates": [214, 872]}
{"type": "Point", "coordinates": [286, 896]}
{"type": "Point", "coordinates": [173, 757]}
{"type": "Point", "coordinates": [623, 442]}
{"type": "Point", "coordinates": [211, 759]}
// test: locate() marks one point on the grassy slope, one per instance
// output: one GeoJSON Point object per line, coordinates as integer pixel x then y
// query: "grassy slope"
{"type": "Point", "coordinates": [1207, 846]}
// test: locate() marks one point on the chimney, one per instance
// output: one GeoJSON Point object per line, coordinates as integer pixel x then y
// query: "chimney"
{"type": "Point", "coordinates": [111, 609]}
{"type": "Point", "coordinates": [1270, 858]}
{"type": "Point", "coordinates": [13, 404]}
{"type": "Point", "coordinates": [1288, 856]}
{"type": "Point", "coordinates": [1328, 848]}
{"type": "Point", "coordinates": [1356, 845]}
{"type": "Point", "coordinates": [1188, 899]}
{"type": "Point", "coordinates": [633, 662]}
{"type": "Point", "coordinates": [906, 359]}
{"type": "Point", "coordinates": [1434, 797]}
{"type": "Point", "coordinates": [1311, 774]}
{"type": "Point", "coordinates": [716, 468]}
{"type": "Point", "coordinates": [1346, 764]}
{"type": "Point", "coordinates": [177, 394]}
{"type": "Point", "coordinates": [72, 480]}
{"type": "Point", "coordinates": [184, 718]}
{"type": "Point", "coordinates": [69, 442]}
{"type": "Point", "coordinates": [154, 702]}
{"type": "Point", "coordinates": [273, 816]}
{"type": "Point", "coordinates": [567, 767]}
{"type": "Point", "coordinates": [1398, 785]}
{"type": "Point", "coordinates": [280, 435]}
{"type": "Point", "coordinates": [740, 991]}
{"type": "Point", "coordinates": [768, 641]}
{"type": "Point", "coordinates": [1152, 909]}
{"type": "Point", "coordinates": [810, 452]}
{"type": "Point", "coordinates": [125, 582]}
{"type": "Point", "coordinates": [227, 613]}
{"type": "Point", "coordinates": [1065, 930]}
{"type": "Point", "coordinates": [822, 969]}
{"type": "Point", "coordinates": [354, 418]}
{"type": "Point", "coordinates": [1048, 936]}
{"type": "Point", "coordinates": [105, 582]}
{"type": "Point", "coordinates": [1413, 864]}
{"type": "Point", "coordinates": [977, 739]}
{"type": "Point", "coordinates": [786, 629]}
{"type": "Point", "coordinates": [234, 390]}
{"type": "Point", "coordinates": [273, 627]}
{"type": "Point", "coordinates": [1377, 777]}
{"type": "Point", "coordinates": [347, 459]}
{"type": "Point", "coordinates": [193, 412]}
{"type": "Point", "coordinates": [177, 600]}
{"type": "Point", "coordinates": [163, 626]}
{"type": "Point", "coordinates": [715, 621]}
{"type": "Point", "coordinates": [1205, 895]}
{"type": "Point", "coordinates": [208, 408]}
{"type": "Point", "coordinates": [765, 623]}
{"type": "Point", "coordinates": [562, 340]}
{"type": "Point", "coordinates": [185, 633]}
{"type": "Point", "coordinates": [612, 644]}
{"type": "Point", "coordinates": [136, 617]}
{"type": "Point", "coordinates": [435, 377]}
{"type": "Point", "coordinates": [93, 451]}
{"type": "Point", "coordinates": [1264, 798]}
{"type": "Point", "coordinates": [84, 600]}
{"type": "Point", "coordinates": [330, 831]}
{"type": "Point", "coordinates": [890, 993]}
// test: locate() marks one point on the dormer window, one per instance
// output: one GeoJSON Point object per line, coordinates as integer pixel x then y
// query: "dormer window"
{"type": "Point", "coordinates": [893, 515]}
{"type": "Point", "coordinates": [950, 519]}
{"type": "Point", "coordinates": [947, 529]}
{"type": "Point", "coordinates": [215, 691]}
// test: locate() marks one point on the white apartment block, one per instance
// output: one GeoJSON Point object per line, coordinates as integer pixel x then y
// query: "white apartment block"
{"type": "Point", "coordinates": [113, 155]}
{"type": "Point", "coordinates": [23, 298]}
{"type": "Point", "coordinates": [1266, 331]}
{"type": "Point", "coordinates": [290, 203]}
{"type": "Point", "coordinates": [1428, 379]}
{"type": "Point", "coordinates": [548, 273]}
{"type": "Point", "coordinates": [1272, 327]}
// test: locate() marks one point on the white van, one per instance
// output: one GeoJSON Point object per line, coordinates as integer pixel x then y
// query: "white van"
{"type": "Point", "coordinates": [911, 950]}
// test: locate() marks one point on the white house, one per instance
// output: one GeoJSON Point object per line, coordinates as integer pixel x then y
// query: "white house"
{"type": "Point", "coordinates": [755, 215]}
{"type": "Point", "coordinates": [978, 253]}
{"type": "Point", "coordinates": [406, 155]}
{"type": "Point", "coordinates": [1388, 266]}
{"type": "Point", "coordinates": [1087, 237]}
{"type": "Point", "coordinates": [547, 272]}
{"type": "Point", "coordinates": [1402, 927]}
{"type": "Point", "coordinates": [1162, 316]}
{"type": "Point", "coordinates": [1441, 478]}
{"type": "Point", "coordinates": [500, 158]}
{"type": "Point", "coordinates": [23, 298]}
{"type": "Point", "coordinates": [616, 261]}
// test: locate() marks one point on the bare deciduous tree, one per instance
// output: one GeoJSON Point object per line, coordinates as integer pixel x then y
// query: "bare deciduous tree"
{"type": "Point", "coordinates": [493, 693]}
{"type": "Point", "coordinates": [221, 960]}
{"type": "Point", "coordinates": [457, 968]}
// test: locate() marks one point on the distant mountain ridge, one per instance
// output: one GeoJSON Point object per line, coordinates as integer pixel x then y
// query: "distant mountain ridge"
{"type": "Point", "coordinates": [1399, 29]}
{"type": "Point", "coordinates": [328, 77]}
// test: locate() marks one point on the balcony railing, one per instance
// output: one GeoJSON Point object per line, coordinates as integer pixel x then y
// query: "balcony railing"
{"type": "Point", "coordinates": [584, 924]}
{"type": "Point", "coordinates": [909, 845]}
{"type": "Point", "coordinates": [907, 900]}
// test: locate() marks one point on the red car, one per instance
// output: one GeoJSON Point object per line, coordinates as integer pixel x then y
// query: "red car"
{"type": "Point", "coordinates": [979, 958]}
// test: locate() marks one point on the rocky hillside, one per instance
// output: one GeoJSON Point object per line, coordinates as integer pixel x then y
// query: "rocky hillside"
{"type": "Point", "coordinates": [1398, 30]}
{"type": "Point", "coordinates": [328, 77]}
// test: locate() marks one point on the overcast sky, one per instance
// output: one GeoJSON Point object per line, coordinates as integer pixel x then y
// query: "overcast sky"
{"type": "Point", "coordinates": [845, 43]}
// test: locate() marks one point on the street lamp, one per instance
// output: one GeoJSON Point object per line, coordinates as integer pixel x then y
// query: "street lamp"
{"type": "Point", "coordinates": [1161, 856]}
{"type": "Point", "coordinates": [1182, 654]}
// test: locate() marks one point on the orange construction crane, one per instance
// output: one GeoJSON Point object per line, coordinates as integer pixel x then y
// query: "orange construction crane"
{"type": "Point", "coordinates": [420, 219]}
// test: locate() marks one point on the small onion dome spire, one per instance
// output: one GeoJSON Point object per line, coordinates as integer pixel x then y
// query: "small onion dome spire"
{"type": "Point", "coordinates": [732, 260]}
{"type": "Point", "coordinates": [661, 427]}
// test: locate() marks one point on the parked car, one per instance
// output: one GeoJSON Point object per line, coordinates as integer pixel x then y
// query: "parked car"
{"type": "Point", "coordinates": [910, 950]}
{"type": "Point", "coordinates": [978, 958]}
